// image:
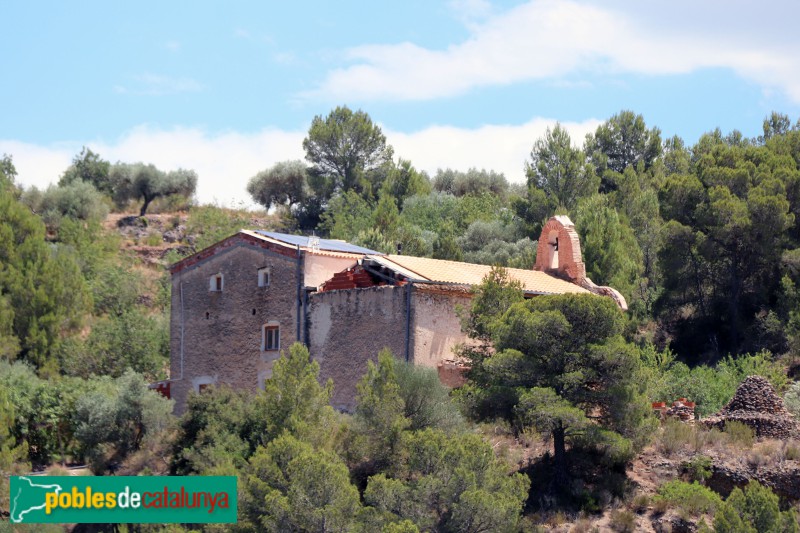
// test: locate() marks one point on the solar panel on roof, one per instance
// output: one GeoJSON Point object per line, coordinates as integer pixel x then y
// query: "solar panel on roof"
{"type": "Point", "coordinates": [323, 244]}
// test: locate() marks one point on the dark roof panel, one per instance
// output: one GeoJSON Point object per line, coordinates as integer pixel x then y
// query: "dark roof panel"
{"type": "Point", "coordinates": [323, 244]}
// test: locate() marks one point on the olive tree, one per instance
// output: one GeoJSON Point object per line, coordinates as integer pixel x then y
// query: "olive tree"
{"type": "Point", "coordinates": [146, 183]}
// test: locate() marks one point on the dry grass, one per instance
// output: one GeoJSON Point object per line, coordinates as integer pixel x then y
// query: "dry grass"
{"type": "Point", "coordinates": [622, 521]}
{"type": "Point", "coordinates": [675, 435]}
{"type": "Point", "coordinates": [640, 502]}
{"type": "Point", "coordinates": [791, 450]}
{"type": "Point", "coordinates": [739, 434]}
{"type": "Point", "coordinates": [584, 525]}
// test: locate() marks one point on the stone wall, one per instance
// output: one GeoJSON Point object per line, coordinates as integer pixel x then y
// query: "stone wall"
{"type": "Point", "coordinates": [437, 327]}
{"type": "Point", "coordinates": [349, 327]}
{"type": "Point", "coordinates": [216, 336]}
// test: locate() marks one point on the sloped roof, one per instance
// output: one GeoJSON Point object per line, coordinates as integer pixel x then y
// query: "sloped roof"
{"type": "Point", "coordinates": [280, 242]}
{"type": "Point", "coordinates": [442, 271]}
{"type": "Point", "coordinates": [315, 243]}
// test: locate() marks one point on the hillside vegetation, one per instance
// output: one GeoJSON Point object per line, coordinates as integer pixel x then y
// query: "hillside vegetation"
{"type": "Point", "coordinates": [554, 428]}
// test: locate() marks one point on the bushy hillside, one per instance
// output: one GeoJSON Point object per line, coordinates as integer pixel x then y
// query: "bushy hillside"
{"type": "Point", "coordinates": [554, 428]}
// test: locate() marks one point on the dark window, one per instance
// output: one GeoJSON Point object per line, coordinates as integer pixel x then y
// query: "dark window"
{"type": "Point", "coordinates": [263, 277]}
{"type": "Point", "coordinates": [271, 338]}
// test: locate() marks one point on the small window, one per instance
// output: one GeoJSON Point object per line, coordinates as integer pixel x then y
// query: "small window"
{"type": "Point", "coordinates": [263, 276]}
{"type": "Point", "coordinates": [271, 337]}
{"type": "Point", "coordinates": [215, 283]}
{"type": "Point", "coordinates": [202, 383]}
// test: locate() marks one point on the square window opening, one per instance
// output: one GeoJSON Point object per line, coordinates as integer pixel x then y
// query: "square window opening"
{"type": "Point", "coordinates": [270, 338]}
{"type": "Point", "coordinates": [264, 275]}
{"type": "Point", "coordinates": [215, 283]}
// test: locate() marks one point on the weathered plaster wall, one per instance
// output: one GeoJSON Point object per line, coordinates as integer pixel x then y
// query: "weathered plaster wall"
{"type": "Point", "coordinates": [349, 327]}
{"type": "Point", "coordinates": [437, 327]}
{"type": "Point", "coordinates": [226, 346]}
{"type": "Point", "coordinates": [321, 268]}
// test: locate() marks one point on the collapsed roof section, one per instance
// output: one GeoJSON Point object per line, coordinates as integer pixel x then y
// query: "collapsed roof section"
{"type": "Point", "coordinates": [401, 269]}
{"type": "Point", "coordinates": [559, 267]}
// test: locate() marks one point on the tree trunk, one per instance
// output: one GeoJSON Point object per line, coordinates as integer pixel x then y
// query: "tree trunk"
{"type": "Point", "coordinates": [147, 200]}
{"type": "Point", "coordinates": [560, 457]}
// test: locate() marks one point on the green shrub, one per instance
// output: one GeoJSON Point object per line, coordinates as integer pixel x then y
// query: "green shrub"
{"type": "Point", "coordinates": [740, 434]}
{"type": "Point", "coordinates": [78, 200]}
{"type": "Point", "coordinates": [674, 435]}
{"type": "Point", "coordinates": [130, 340]}
{"type": "Point", "coordinates": [759, 364]}
{"type": "Point", "coordinates": [699, 468]}
{"type": "Point", "coordinates": [117, 418]}
{"type": "Point", "coordinates": [427, 402]}
{"type": "Point", "coordinates": [754, 509]}
{"type": "Point", "coordinates": [792, 399]}
{"type": "Point", "coordinates": [693, 498]}
{"type": "Point", "coordinates": [115, 289]}
{"type": "Point", "coordinates": [707, 438]}
{"type": "Point", "coordinates": [153, 239]}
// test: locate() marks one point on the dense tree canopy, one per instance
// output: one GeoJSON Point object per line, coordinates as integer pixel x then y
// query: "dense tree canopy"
{"type": "Point", "coordinates": [346, 151]}
{"type": "Point", "coordinates": [42, 292]}
{"type": "Point", "coordinates": [89, 167]}
{"type": "Point", "coordinates": [560, 170]}
{"type": "Point", "coordinates": [703, 240]}
{"type": "Point", "coordinates": [727, 225]}
{"type": "Point", "coordinates": [620, 142]}
{"type": "Point", "coordinates": [559, 365]}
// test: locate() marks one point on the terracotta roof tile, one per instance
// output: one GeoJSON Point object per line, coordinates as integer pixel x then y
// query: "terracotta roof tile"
{"type": "Point", "coordinates": [443, 271]}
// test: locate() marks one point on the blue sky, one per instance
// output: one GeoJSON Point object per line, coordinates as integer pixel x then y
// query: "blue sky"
{"type": "Point", "coordinates": [231, 89]}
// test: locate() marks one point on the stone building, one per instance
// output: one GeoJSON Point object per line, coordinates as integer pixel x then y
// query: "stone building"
{"type": "Point", "coordinates": [238, 303]}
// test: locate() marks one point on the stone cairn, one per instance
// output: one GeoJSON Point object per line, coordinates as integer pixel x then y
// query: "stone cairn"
{"type": "Point", "coordinates": [757, 405]}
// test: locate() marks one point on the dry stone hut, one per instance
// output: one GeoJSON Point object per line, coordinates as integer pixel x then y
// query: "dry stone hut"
{"type": "Point", "coordinates": [757, 405]}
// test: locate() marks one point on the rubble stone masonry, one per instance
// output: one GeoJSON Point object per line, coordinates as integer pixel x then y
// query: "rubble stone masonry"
{"type": "Point", "coordinates": [216, 335]}
{"type": "Point", "coordinates": [347, 328]}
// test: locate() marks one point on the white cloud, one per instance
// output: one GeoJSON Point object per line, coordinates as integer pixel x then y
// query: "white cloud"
{"type": "Point", "coordinates": [470, 11]}
{"type": "Point", "coordinates": [226, 161]}
{"type": "Point", "coordinates": [545, 39]}
{"type": "Point", "coordinates": [39, 165]}
{"type": "Point", "coordinates": [502, 148]}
